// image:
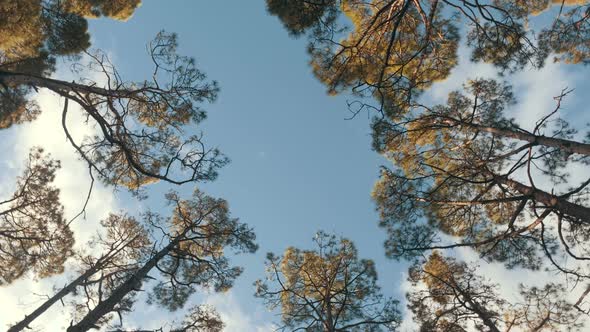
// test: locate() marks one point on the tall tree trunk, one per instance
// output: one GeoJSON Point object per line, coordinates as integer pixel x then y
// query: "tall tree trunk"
{"type": "Point", "coordinates": [558, 143]}
{"type": "Point", "coordinates": [329, 325]}
{"type": "Point", "coordinates": [47, 304]}
{"type": "Point", "coordinates": [551, 201]}
{"type": "Point", "coordinates": [15, 79]}
{"type": "Point", "coordinates": [100, 263]}
{"type": "Point", "coordinates": [480, 311]}
{"type": "Point", "coordinates": [132, 284]}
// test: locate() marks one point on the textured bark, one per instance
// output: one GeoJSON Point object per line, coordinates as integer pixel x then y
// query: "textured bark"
{"type": "Point", "coordinates": [478, 310]}
{"type": "Point", "coordinates": [558, 143]}
{"type": "Point", "coordinates": [15, 79]}
{"type": "Point", "coordinates": [100, 263]}
{"type": "Point", "coordinates": [551, 201]}
{"type": "Point", "coordinates": [130, 285]}
{"type": "Point", "coordinates": [23, 324]}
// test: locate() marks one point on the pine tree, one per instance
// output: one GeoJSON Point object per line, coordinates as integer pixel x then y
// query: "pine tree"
{"type": "Point", "coordinates": [448, 295]}
{"type": "Point", "coordinates": [395, 49]}
{"type": "Point", "coordinates": [327, 289]}
{"type": "Point", "coordinates": [191, 254]}
{"type": "Point", "coordinates": [140, 138]}
{"type": "Point", "coordinates": [123, 245]}
{"type": "Point", "coordinates": [33, 33]}
{"type": "Point", "coordinates": [34, 235]}
{"type": "Point", "coordinates": [466, 170]}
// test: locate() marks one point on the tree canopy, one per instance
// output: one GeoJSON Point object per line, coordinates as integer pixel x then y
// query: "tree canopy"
{"type": "Point", "coordinates": [121, 153]}
{"type": "Point", "coordinates": [34, 33]}
{"type": "Point", "coordinates": [140, 138]}
{"type": "Point", "coordinates": [181, 254]}
{"type": "Point", "coordinates": [46, 28]}
{"type": "Point", "coordinates": [395, 49]}
{"type": "Point", "coordinates": [327, 289]}
{"type": "Point", "coordinates": [464, 169]}
{"type": "Point", "coordinates": [460, 174]}
{"type": "Point", "coordinates": [449, 296]}
{"type": "Point", "coordinates": [463, 173]}
{"type": "Point", "coordinates": [474, 174]}
{"type": "Point", "coordinates": [191, 255]}
{"type": "Point", "coordinates": [34, 235]}
{"type": "Point", "coordinates": [122, 247]}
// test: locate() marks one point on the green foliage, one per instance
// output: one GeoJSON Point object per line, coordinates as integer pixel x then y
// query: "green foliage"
{"type": "Point", "coordinates": [60, 27]}
{"type": "Point", "coordinates": [464, 174]}
{"type": "Point", "coordinates": [201, 318]}
{"type": "Point", "coordinates": [298, 16]}
{"type": "Point", "coordinates": [16, 108]}
{"type": "Point", "coordinates": [394, 50]}
{"type": "Point", "coordinates": [140, 137]}
{"type": "Point", "coordinates": [33, 33]}
{"type": "Point", "coordinates": [112, 256]}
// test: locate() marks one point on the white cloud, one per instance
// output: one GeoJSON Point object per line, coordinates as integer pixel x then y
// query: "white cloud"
{"type": "Point", "coordinates": [72, 180]}
{"type": "Point", "coordinates": [234, 316]}
{"type": "Point", "coordinates": [408, 323]}
{"type": "Point", "coordinates": [464, 71]}
{"type": "Point", "coordinates": [535, 91]}
{"type": "Point", "coordinates": [24, 295]}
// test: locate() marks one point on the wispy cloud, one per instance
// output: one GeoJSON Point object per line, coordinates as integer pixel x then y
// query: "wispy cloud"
{"type": "Point", "coordinates": [535, 91]}
{"type": "Point", "coordinates": [72, 180]}
{"type": "Point", "coordinates": [236, 317]}
{"type": "Point", "coordinates": [23, 296]}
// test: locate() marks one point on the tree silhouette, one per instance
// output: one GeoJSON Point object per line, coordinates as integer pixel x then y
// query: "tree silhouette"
{"type": "Point", "coordinates": [395, 49]}
{"type": "Point", "coordinates": [200, 318]}
{"type": "Point", "coordinates": [463, 169]}
{"type": "Point", "coordinates": [140, 138]}
{"type": "Point", "coordinates": [34, 236]}
{"type": "Point", "coordinates": [47, 28]}
{"type": "Point", "coordinates": [34, 33]}
{"type": "Point", "coordinates": [327, 289]}
{"type": "Point", "coordinates": [448, 296]}
{"type": "Point", "coordinates": [466, 170]}
{"type": "Point", "coordinates": [189, 254]}
{"type": "Point", "coordinates": [123, 245]}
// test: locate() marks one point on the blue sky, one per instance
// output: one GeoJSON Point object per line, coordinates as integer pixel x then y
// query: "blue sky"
{"type": "Point", "coordinates": [297, 165]}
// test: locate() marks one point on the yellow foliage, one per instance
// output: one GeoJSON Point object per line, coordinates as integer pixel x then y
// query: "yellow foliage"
{"type": "Point", "coordinates": [117, 9]}
{"type": "Point", "coordinates": [367, 54]}
{"type": "Point", "coordinates": [21, 32]}
{"type": "Point", "coordinates": [540, 6]}
{"type": "Point", "coordinates": [25, 25]}
{"type": "Point", "coordinates": [421, 132]}
{"type": "Point", "coordinates": [439, 274]}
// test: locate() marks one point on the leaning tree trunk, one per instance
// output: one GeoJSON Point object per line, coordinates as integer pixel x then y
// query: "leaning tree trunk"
{"type": "Point", "coordinates": [100, 263]}
{"type": "Point", "coordinates": [551, 201]}
{"type": "Point", "coordinates": [132, 284]}
{"type": "Point", "coordinates": [23, 324]}
{"type": "Point", "coordinates": [558, 143]}
{"type": "Point", "coordinates": [480, 311]}
{"type": "Point", "coordinates": [16, 79]}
